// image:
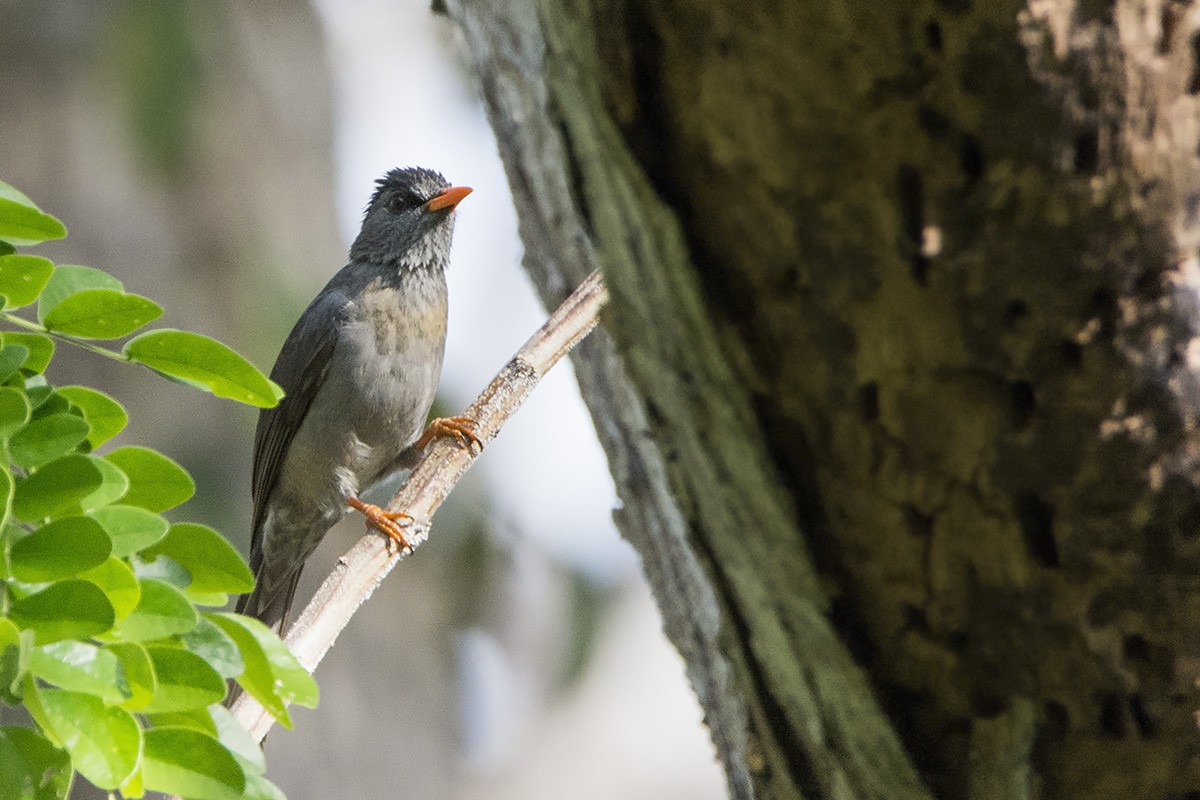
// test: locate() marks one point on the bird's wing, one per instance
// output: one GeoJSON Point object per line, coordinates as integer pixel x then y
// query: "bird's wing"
{"type": "Point", "coordinates": [300, 371]}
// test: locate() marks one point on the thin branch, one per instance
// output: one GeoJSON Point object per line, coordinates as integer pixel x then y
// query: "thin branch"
{"type": "Point", "coordinates": [370, 560]}
{"type": "Point", "coordinates": [21, 322]}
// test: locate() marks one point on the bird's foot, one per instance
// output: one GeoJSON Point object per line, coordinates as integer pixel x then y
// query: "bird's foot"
{"type": "Point", "coordinates": [389, 523]}
{"type": "Point", "coordinates": [461, 429]}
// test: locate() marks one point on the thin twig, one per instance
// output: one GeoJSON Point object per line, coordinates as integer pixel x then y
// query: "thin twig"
{"type": "Point", "coordinates": [370, 560]}
{"type": "Point", "coordinates": [21, 322]}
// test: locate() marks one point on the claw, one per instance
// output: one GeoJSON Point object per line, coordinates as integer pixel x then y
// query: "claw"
{"type": "Point", "coordinates": [384, 521]}
{"type": "Point", "coordinates": [461, 429]}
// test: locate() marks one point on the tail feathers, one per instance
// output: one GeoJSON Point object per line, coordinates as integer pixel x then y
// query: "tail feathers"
{"type": "Point", "coordinates": [271, 600]}
{"type": "Point", "coordinates": [271, 604]}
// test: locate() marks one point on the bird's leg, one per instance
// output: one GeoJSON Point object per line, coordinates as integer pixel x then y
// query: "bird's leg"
{"type": "Point", "coordinates": [389, 523]}
{"type": "Point", "coordinates": [461, 429]}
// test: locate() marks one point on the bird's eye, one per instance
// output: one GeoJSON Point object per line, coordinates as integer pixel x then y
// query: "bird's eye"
{"type": "Point", "coordinates": [399, 202]}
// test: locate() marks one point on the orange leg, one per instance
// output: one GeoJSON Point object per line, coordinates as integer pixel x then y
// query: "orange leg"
{"type": "Point", "coordinates": [386, 522]}
{"type": "Point", "coordinates": [461, 429]}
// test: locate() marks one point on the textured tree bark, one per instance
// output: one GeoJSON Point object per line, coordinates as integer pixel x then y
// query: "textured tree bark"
{"type": "Point", "coordinates": [899, 386]}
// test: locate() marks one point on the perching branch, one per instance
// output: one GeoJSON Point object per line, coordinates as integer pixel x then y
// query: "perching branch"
{"type": "Point", "coordinates": [370, 560]}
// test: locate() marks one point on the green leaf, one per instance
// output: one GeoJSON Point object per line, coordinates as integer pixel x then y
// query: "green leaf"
{"type": "Point", "coordinates": [133, 787]}
{"type": "Point", "coordinates": [104, 741]}
{"type": "Point", "coordinates": [207, 599]}
{"type": "Point", "coordinates": [66, 485]}
{"type": "Point", "coordinates": [56, 487]}
{"type": "Point", "coordinates": [9, 634]}
{"type": "Point", "coordinates": [50, 402]}
{"type": "Point", "coordinates": [68, 279]}
{"type": "Point", "coordinates": [106, 416]}
{"type": "Point", "coordinates": [113, 486]}
{"type": "Point", "coordinates": [81, 667]}
{"type": "Point", "coordinates": [30, 697]}
{"type": "Point", "coordinates": [31, 768]}
{"type": "Point", "coordinates": [215, 565]}
{"type": "Point", "coordinates": [12, 356]}
{"type": "Point", "coordinates": [14, 409]}
{"type": "Point", "coordinates": [6, 248]}
{"type": "Point", "coordinates": [7, 491]}
{"type": "Point", "coordinates": [215, 647]}
{"type": "Point", "coordinates": [273, 676]}
{"type": "Point", "coordinates": [156, 483]}
{"type": "Point", "coordinates": [22, 278]}
{"type": "Point", "coordinates": [116, 579]}
{"type": "Point", "coordinates": [45, 439]}
{"type": "Point", "coordinates": [197, 719]}
{"type": "Point", "coordinates": [15, 648]}
{"type": "Point", "coordinates": [10, 192]}
{"type": "Point", "coordinates": [130, 528]}
{"type": "Point", "coordinates": [205, 363]}
{"type": "Point", "coordinates": [41, 349]}
{"type": "Point", "coordinates": [101, 314]}
{"type": "Point", "coordinates": [139, 673]}
{"type": "Point", "coordinates": [22, 223]}
{"type": "Point", "coordinates": [39, 392]}
{"type": "Point", "coordinates": [258, 787]}
{"type": "Point", "coordinates": [59, 549]}
{"type": "Point", "coordinates": [163, 568]}
{"type": "Point", "coordinates": [185, 681]}
{"type": "Point", "coordinates": [72, 609]}
{"type": "Point", "coordinates": [239, 741]}
{"type": "Point", "coordinates": [190, 764]}
{"type": "Point", "coordinates": [162, 611]}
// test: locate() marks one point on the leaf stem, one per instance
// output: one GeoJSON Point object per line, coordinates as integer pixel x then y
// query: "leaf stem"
{"type": "Point", "coordinates": [42, 329]}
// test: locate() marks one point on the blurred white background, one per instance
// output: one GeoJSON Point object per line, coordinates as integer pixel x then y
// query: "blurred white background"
{"type": "Point", "coordinates": [217, 157]}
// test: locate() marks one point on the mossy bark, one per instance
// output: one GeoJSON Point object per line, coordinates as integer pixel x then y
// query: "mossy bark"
{"type": "Point", "coordinates": [898, 385]}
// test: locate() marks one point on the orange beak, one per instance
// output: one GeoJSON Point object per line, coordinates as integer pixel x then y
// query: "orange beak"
{"type": "Point", "coordinates": [449, 198]}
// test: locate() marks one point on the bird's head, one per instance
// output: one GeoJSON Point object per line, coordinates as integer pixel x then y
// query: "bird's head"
{"type": "Point", "coordinates": [409, 221]}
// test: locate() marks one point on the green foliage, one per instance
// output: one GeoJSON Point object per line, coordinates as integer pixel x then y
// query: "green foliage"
{"type": "Point", "coordinates": [101, 314]}
{"type": "Point", "coordinates": [206, 364]}
{"type": "Point", "coordinates": [23, 223]}
{"type": "Point", "coordinates": [22, 278]}
{"type": "Point", "coordinates": [108, 633]}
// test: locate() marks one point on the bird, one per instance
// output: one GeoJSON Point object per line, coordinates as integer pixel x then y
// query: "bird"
{"type": "Point", "coordinates": [359, 372]}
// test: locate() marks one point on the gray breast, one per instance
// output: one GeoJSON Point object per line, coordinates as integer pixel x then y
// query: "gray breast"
{"type": "Point", "coordinates": [393, 351]}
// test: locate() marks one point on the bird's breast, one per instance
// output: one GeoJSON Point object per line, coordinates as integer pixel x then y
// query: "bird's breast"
{"type": "Point", "coordinates": [395, 345]}
{"type": "Point", "coordinates": [373, 402]}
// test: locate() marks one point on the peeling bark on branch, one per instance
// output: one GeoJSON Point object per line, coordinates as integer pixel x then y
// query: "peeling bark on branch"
{"type": "Point", "coordinates": [743, 606]}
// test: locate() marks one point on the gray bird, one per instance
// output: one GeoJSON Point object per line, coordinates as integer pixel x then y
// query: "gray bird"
{"type": "Point", "coordinates": [359, 369]}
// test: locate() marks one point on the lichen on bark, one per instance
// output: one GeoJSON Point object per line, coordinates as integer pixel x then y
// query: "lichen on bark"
{"type": "Point", "coordinates": [897, 296]}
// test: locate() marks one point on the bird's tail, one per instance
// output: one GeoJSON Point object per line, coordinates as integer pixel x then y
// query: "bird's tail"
{"type": "Point", "coordinates": [271, 604]}
{"type": "Point", "coordinates": [271, 600]}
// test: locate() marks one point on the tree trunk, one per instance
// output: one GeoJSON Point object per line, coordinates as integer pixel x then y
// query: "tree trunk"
{"type": "Point", "coordinates": [898, 385]}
